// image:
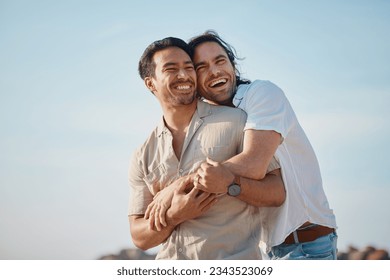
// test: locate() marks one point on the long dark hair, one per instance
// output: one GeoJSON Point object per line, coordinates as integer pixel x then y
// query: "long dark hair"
{"type": "Point", "coordinates": [212, 36]}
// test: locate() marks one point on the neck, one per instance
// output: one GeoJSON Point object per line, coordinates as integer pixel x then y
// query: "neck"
{"type": "Point", "coordinates": [226, 103]}
{"type": "Point", "coordinates": [177, 118]}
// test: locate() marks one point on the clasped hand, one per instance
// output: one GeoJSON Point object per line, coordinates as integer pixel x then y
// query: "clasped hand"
{"type": "Point", "coordinates": [177, 203]}
{"type": "Point", "coordinates": [189, 196]}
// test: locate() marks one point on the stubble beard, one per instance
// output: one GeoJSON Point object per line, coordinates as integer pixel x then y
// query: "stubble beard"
{"type": "Point", "coordinates": [227, 96]}
{"type": "Point", "coordinates": [183, 100]}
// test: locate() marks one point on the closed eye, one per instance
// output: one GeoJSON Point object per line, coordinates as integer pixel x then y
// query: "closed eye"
{"type": "Point", "coordinates": [199, 68]}
{"type": "Point", "coordinates": [220, 61]}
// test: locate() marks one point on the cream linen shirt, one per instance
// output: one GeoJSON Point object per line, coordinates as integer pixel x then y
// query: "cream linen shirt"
{"type": "Point", "coordinates": [268, 109]}
{"type": "Point", "coordinates": [231, 228]}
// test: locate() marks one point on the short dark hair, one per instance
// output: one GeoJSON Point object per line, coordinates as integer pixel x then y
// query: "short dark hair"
{"type": "Point", "coordinates": [212, 36]}
{"type": "Point", "coordinates": [146, 65]}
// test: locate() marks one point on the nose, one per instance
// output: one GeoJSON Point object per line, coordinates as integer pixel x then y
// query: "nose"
{"type": "Point", "coordinates": [182, 74]}
{"type": "Point", "coordinates": [214, 70]}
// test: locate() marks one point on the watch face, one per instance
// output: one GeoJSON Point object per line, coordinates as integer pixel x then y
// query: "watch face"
{"type": "Point", "coordinates": [234, 190]}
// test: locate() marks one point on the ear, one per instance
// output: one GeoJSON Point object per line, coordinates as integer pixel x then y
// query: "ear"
{"type": "Point", "coordinates": [149, 84]}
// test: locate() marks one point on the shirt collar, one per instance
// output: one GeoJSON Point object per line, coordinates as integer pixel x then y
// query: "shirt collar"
{"type": "Point", "coordinates": [239, 95]}
{"type": "Point", "coordinates": [203, 109]}
{"type": "Point", "coordinates": [161, 128]}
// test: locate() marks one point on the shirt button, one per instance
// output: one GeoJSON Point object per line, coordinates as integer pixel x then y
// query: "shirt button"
{"type": "Point", "coordinates": [180, 250]}
{"type": "Point", "coordinates": [181, 170]}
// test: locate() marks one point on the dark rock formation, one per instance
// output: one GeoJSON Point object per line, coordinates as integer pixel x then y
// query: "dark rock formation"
{"type": "Point", "coordinates": [353, 253]}
{"type": "Point", "coordinates": [367, 253]}
{"type": "Point", "coordinates": [129, 254]}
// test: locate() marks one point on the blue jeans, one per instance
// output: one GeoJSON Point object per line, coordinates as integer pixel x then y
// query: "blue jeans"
{"type": "Point", "coordinates": [323, 248]}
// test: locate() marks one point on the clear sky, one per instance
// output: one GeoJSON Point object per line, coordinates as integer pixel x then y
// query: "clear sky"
{"type": "Point", "coordinates": [73, 108]}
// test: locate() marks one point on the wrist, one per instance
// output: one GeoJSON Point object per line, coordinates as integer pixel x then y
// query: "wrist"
{"type": "Point", "coordinates": [233, 180]}
{"type": "Point", "coordinates": [237, 180]}
{"type": "Point", "coordinates": [172, 220]}
{"type": "Point", "coordinates": [234, 189]}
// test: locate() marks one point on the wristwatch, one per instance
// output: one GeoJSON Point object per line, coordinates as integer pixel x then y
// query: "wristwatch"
{"type": "Point", "coordinates": [235, 188]}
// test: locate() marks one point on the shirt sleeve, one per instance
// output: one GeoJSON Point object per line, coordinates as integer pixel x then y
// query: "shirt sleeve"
{"type": "Point", "coordinates": [268, 108]}
{"type": "Point", "coordinates": [140, 195]}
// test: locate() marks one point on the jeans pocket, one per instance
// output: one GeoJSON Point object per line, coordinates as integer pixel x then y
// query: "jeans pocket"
{"type": "Point", "coordinates": [323, 248]}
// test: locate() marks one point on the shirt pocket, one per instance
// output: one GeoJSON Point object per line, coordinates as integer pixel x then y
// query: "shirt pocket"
{"type": "Point", "coordinates": [157, 179]}
{"type": "Point", "coordinates": [217, 153]}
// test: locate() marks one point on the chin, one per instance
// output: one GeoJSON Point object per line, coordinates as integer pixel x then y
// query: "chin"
{"type": "Point", "coordinates": [188, 101]}
{"type": "Point", "coordinates": [222, 98]}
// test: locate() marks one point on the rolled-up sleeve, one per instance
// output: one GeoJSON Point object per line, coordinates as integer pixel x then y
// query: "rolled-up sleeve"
{"type": "Point", "coordinates": [268, 109]}
{"type": "Point", "coordinates": [140, 195]}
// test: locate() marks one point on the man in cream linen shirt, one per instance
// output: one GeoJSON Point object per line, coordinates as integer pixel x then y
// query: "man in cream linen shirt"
{"type": "Point", "coordinates": [200, 225]}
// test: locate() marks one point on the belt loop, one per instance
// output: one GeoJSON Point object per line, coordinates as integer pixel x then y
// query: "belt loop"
{"type": "Point", "coordinates": [295, 234]}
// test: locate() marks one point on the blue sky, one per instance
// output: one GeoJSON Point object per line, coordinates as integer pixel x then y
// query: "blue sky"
{"type": "Point", "coordinates": [73, 109]}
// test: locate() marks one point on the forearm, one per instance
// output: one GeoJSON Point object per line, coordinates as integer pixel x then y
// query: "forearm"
{"type": "Point", "coordinates": [253, 161]}
{"type": "Point", "coordinates": [268, 192]}
{"type": "Point", "coordinates": [143, 236]}
{"type": "Point", "coordinates": [248, 165]}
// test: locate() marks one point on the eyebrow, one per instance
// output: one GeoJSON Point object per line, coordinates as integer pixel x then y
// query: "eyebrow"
{"type": "Point", "coordinates": [198, 64]}
{"type": "Point", "coordinates": [168, 64]}
{"type": "Point", "coordinates": [220, 56]}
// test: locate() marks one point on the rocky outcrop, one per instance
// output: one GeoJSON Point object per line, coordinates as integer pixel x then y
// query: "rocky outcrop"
{"type": "Point", "coordinates": [129, 254]}
{"type": "Point", "coordinates": [353, 253]}
{"type": "Point", "coordinates": [367, 253]}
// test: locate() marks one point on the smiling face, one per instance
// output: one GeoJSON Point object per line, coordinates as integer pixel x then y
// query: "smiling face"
{"type": "Point", "coordinates": [215, 73]}
{"type": "Point", "coordinates": [174, 81]}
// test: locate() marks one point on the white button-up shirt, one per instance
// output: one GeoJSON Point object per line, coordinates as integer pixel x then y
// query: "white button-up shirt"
{"type": "Point", "coordinates": [268, 109]}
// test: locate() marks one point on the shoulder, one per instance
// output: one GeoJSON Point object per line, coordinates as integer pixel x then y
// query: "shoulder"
{"type": "Point", "coordinates": [221, 111]}
{"type": "Point", "coordinates": [258, 92]}
{"type": "Point", "coordinates": [226, 110]}
{"type": "Point", "coordinates": [260, 88]}
{"type": "Point", "coordinates": [149, 144]}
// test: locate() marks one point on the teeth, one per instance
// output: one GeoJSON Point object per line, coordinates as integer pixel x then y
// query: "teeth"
{"type": "Point", "coordinates": [218, 81]}
{"type": "Point", "coordinates": [183, 87]}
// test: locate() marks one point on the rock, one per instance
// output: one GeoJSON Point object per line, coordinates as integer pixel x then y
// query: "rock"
{"type": "Point", "coordinates": [353, 253]}
{"type": "Point", "coordinates": [342, 256]}
{"type": "Point", "coordinates": [367, 253]}
{"type": "Point", "coordinates": [378, 255]}
{"type": "Point", "coordinates": [129, 254]}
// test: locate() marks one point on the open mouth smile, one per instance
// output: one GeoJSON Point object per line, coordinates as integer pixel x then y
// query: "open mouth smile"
{"type": "Point", "coordinates": [183, 87]}
{"type": "Point", "coordinates": [218, 83]}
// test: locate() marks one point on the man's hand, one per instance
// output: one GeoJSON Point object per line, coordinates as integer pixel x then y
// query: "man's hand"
{"type": "Point", "coordinates": [186, 206]}
{"type": "Point", "coordinates": [156, 211]}
{"type": "Point", "coordinates": [213, 177]}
